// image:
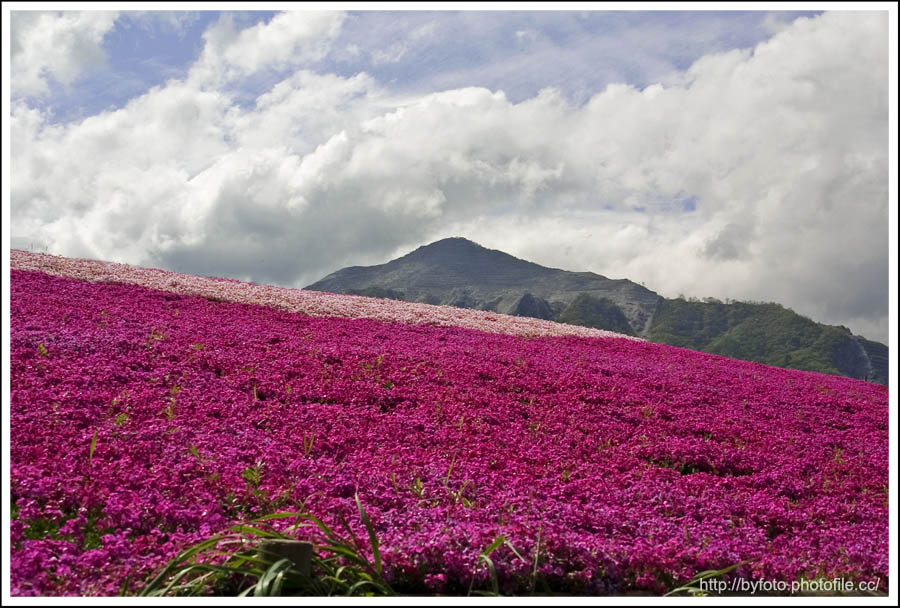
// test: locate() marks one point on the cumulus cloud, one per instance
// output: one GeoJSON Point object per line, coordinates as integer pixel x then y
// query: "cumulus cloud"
{"type": "Point", "coordinates": [305, 110]}
{"type": "Point", "coordinates": [54, 45]}
{"type": "Point", "coordinates": [780, 151]}
{"type": "Point", "coordinates": [288, 40]}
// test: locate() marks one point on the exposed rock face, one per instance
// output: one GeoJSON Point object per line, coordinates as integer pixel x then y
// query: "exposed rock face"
{"type": "Point", "coordinates": [857, 357]}
{"type": "Point", "coordinates": [851, 359]}
{"type": "Point", "coordinates": [876, 356]}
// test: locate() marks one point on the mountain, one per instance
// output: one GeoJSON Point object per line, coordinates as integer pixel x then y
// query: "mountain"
{"type": "Point", "coordinates": [458, 272]}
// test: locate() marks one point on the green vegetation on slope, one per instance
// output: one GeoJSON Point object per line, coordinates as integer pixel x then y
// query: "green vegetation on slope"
{"type": "Point", "coordinates": [458, 272]}
{"type": "Point", "coordinates": [764, 332]}
{"type": "Point", "coordinates": [599, 313]}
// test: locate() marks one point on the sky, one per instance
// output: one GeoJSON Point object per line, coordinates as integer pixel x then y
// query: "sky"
{"type": "Point", "coordinates": [738, 154]}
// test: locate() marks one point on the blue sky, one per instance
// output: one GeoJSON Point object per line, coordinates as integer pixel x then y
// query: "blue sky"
{"type": "Point", "coordinates": [732, 154]}
{"type": "Point", "coordinates": [420, 51]}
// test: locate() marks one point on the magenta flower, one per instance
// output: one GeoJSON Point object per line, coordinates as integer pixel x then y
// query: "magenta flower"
{"type": "Point", "coordinates": [144, 419]}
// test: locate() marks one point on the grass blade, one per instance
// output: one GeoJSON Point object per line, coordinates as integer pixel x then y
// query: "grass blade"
{"type": "Point", "coordinates": [494, 545]}
{"type": "Point", "coordinates": [281, 515]}
{"type": "Point", "coordinates": [691, 586]}
{"type": "Point", "coordinates": [495, 585]}
{"type": "Point", "coordinates": [272, 580]}
{"type": "Point", "coordinates": [181, 557]}
{"type": "Point", "coordinates": [93, 447]}
{"type": "Point", "coordinates": [259, 532]}
{"type": "Point", "coordinates": [513, 549]}
{"type": "Point", "coordinates": [339, 565]}
{"type": "Point", "coordinates": [449, 470]}
{"type": "Point", "coordinates": [373, 539]}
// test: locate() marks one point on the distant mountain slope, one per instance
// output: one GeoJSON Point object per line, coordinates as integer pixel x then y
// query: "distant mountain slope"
{"type": "Point", "coordinates": [595, 312]}
{"type": "Point", "coordinates": [767, 333]}
{"type": "Point", "coordinates": [458, 272]}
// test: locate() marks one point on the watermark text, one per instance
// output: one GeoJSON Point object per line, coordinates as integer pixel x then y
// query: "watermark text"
{"type": "Point", "coordinates": [833, 586]}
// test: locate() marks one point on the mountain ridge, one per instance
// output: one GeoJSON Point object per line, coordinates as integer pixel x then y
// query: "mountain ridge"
{"type": "Point", "coordinates": [458, 272]}
{"type": "Point", "coordinates": [487, 279]}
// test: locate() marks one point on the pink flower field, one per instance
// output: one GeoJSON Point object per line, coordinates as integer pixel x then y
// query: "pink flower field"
{"type": "Point", "coordinates": [150, 410]}
{"type": "Point", "coordinates": [312, 303]}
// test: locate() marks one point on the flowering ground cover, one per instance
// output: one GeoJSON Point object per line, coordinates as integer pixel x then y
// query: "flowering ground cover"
{"type": "Point", "coordinates": [145, 420]}
{"type": "Point", "coordinates": [313, 303]}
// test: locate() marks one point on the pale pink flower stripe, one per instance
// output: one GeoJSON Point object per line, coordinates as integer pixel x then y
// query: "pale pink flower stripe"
{"type": "Point", "coordinates": [311, 303]}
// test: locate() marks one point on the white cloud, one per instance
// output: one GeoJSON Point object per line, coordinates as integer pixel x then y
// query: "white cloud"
{"type": "Point", "coordinates": [58, 45]}
{"type": "Point", "coordinates": [424, 31]}
{"type": "Point", "coordinates": [781, 149]}
{"type": "Point", "coordinates": [527, 36]}
{"type": "Point", "coordinates": [392, 54]}
{"type": "Point", "coordinates": [176, 21]}
{"type": "Point", "coordinates": [305, 109]}
{"type": "Point", "coordinates": [289, 39]}
{"type": "Point", "coordinates": [406, 45]}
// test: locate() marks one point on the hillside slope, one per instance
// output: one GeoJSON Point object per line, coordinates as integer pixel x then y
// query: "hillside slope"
{"type": "Point", "coordinates": [458, 272]}
{"type": "Point", "coordinates": [144, 420]}
{"type": "Point", "coordinates": [770, 334]}
{"type": "Point", "coordinates": [303, 301]}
